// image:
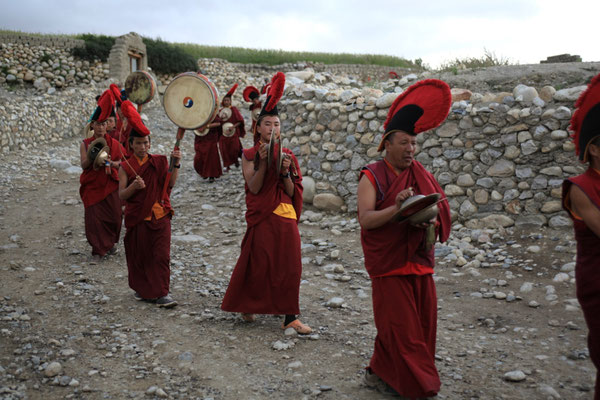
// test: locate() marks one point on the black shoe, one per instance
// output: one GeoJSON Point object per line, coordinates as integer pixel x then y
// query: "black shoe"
{"type": "Point", "coordinates": [211, 180]}
{"type": "Point", "coordinates": [166, 302]}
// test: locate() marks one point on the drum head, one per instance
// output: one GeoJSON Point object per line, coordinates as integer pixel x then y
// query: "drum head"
{"type": "Point", "coordinates": [255, 114]}
{"type": "Point", "coordinates": [225, 113]}
{"type": "Point", "coordinates": [140, 87]}
{"type": "Point", "coordinates": [228, 129]}
{"type": "Point", "coordinates": [190, 101]}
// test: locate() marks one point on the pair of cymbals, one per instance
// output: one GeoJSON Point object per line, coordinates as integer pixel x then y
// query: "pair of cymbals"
{"type": "Point", "coordinates": [418, 209]}
{"type": "Point", "coordinates": [273, 153]}
{"type": "Point", "coordinates": [98, 152]}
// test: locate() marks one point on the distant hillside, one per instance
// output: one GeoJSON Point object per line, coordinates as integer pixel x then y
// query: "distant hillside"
{"type": "Point", "coordinates": [99, 46]}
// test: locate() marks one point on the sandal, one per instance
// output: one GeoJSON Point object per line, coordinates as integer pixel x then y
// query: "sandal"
{"type": "Point", "coordinates": [298, 326]}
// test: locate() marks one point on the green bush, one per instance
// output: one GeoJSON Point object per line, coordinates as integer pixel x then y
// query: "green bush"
{"type": "Point", "coordinates": [489, 59]}
{"type": "Point", "coordinates": [97, 47]}
{"type": "Point", "coordinates": [166, 58]}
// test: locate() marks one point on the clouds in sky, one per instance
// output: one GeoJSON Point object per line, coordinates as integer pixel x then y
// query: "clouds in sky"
{"type": "Point", "coordinates": [524, 31]}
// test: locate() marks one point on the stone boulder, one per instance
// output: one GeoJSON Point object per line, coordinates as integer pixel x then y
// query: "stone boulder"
{"type": "Point", "coordinates": [305, 75]}
{"type": "Point", "coordinates": [308, 193]}
{"type": "Point", "coordinates": [328, 201]}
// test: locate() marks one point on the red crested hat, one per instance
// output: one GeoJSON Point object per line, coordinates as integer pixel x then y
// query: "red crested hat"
{"type": "Point", "coordinates": [250, 93]}
{"type": "Point", "coordinates": [138, 129]}
{"type": "Point", "coordinates": [585, 121]}
{"type": "Point", "coordinates": [274, 94]}
{"type": "Point", "coordinates": [116, 93]}
{"type": "Point", "coordinates": [231, 91]}
{"type": "Point", "coordinates": [106, 105]}
{"type": "Point", "coordinates": [421, 107]}
{"type": "Point", "coordinates": [265, 88]}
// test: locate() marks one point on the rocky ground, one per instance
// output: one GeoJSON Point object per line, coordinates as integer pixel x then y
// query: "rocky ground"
{"type": "Point", "coordinates": [509, 324]}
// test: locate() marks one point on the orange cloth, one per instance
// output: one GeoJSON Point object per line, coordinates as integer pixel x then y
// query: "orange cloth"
{"type": "Point", "coordinates": [285, 210]}
{"type": "Point", "coordinates": [157, 209]}
{"type": "Point", "coordinates": [410, 268]}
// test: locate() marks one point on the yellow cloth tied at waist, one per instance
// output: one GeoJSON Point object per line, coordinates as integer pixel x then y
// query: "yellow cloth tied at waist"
{"type": "Point", "coordinates": [285, 210]}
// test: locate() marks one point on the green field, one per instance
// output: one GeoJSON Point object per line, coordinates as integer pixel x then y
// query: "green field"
{"type": "Point", "coordinates": [255, 56]}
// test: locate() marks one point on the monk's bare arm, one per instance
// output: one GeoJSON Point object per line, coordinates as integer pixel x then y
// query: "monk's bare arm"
{"type": "Point", "coordinates": [125, 191]}
{"type": "Point", "coordinates": [288, 183]}
{"type": "Point", "coordinates": [584, 207]}
{"type": "Point", "coordinates": [368, 217]}
{"type": "Point", "coordinates": [85, 163]}
{"type": "Point", "coordinates": [253, 178]}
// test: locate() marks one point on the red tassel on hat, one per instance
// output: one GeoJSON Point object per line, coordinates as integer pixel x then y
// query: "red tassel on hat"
{"type": "Point", "coordinates": [231, 91]}
{"type": "Point", "coordinates": [106, 102]}
{"type": "Point", "coordinates": [275, 91]}
{"type": "Point", "coordinates": [116, 93]}
{"type": "Point", "coordinates": [587, 101]}
{"type": "Point", "coordinates": [431, 97]}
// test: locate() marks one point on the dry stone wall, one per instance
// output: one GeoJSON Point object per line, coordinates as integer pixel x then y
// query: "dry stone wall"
{"type": "Point", "coordinates": [501, 160]}
{"type": "Point", "coordinates": [28, 120]}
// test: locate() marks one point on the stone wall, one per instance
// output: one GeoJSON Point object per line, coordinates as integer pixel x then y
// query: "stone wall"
{"type": "Point", "coordinates": [46, 40]}
{"type": "Point", "coordinates": [46, 68]}
{"type": "Point", "coordinates": [501, 158]}
{"type": "Point", "coordinates": [28, 120]}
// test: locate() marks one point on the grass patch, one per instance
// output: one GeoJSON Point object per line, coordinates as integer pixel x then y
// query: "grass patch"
{"type": "Point", "coordinates": [489, 59]}
{"type": "Point", "coordinates": [244, 55]}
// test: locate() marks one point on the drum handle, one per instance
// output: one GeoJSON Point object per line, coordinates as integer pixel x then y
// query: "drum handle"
{"type": "Point", "coordinates": [180, 133]}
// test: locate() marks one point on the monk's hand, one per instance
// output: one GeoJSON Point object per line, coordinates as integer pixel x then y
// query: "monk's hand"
{"type": "Point", "coordinates": [403, 195]}
{"type": "Point", "coordinates": [176, 155]}
{"type": "Point", "coordinates": [262, 151]}
{"type": "Point", "coordinates": [139, 183]}
{"type": "Point", "coordinates": [285, 164]}
{"type": "Point", "coordinates": [425, 225]}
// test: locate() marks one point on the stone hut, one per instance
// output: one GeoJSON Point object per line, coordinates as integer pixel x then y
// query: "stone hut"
{"type": "Point", "coordinates": [127, 55]}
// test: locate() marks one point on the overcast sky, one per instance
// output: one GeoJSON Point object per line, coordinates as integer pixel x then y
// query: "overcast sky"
{"type": "Point", "coordinates": [523, 31]}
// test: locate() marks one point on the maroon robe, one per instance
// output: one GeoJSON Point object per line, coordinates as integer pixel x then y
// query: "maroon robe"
{"type": "Point", "coordinates": [231, 147]}
{"type": "Point", "coordinates": [266, 278]}
{"type": "Point", "coordinates": [587, 266]}
{"type": "Point", "coordinates": [206, 161]}
{"type": "Point", "coordinates": [99, 192]}
{"type": "Point", "coordinates": [404, 306]}
{"type": "Point", "coordinates": [148, 243]}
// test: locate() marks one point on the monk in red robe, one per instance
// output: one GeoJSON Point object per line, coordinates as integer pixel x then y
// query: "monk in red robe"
{"type": "Point", "coordinates": [266, 278]}
{"type": "Point", "coordinates": [121, 129]}
{"type": "Point", "coordinates": [581, 199]}
{"type": "Point", "coordinates": [98, 190]}
{"type": "Point", "coordinates": [398, 257]}
{"type": "Point", "coordinates": [145, 184]}
{"type": "Point", "coordinates": [207, 162]}
{"type": "Point", "coordinates": [231, 146]}
{"type": "Point", "coordinates": [252, 96]}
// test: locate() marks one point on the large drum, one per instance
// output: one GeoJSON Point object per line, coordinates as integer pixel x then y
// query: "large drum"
{"type": "Point", "coordinates": [191, 101]}
{"type": "Point", "coordinates": [140, 87]}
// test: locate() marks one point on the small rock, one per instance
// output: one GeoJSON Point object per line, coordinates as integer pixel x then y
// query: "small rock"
{"type": "Point", "coordinates": [514, 376]}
